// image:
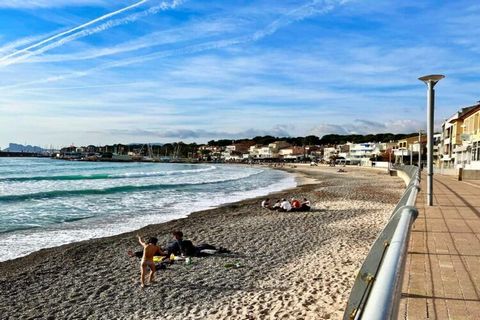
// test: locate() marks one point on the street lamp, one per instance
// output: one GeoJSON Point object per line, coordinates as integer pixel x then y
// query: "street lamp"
{"type": "Point", "coordinates": [430, 81]}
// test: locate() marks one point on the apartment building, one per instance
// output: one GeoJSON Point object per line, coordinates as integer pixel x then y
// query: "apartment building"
{"type": "Point", "coordinates": [292, 153]}
{"type": "Point", "coordinates": [410, 148]}
{"type": "Point", "coordinates": [361, 152]}
{"type": "Point", "coordinates": [460, 141]}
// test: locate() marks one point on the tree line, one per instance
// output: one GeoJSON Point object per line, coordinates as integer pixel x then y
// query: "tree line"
{"type": "Point", "coordinates": [329, 139]}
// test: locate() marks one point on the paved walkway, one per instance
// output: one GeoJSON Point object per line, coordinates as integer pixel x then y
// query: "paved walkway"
{"type": "Point", "coordinates": [442, 276]}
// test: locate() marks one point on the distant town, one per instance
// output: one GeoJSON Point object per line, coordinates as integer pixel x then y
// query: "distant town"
{"type": "Point", "coordinates": [456, 146]}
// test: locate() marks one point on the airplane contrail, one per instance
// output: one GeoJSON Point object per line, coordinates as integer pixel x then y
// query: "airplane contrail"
{"type": "Point", "coordinates": [300, 13]}
{"type": "Point", "coordinates": [81, 32]}
{"type": "Point", "coordinates": [74, 33]}
{"type": "Point", "coordinates": [294, 15]}
{"type": "Point", "coordinates": [61, 34]}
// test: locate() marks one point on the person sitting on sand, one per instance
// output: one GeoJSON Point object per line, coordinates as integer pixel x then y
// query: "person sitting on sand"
{"type": "Point", "coordinates": [266, 203]}
{"type": "Point", "coordinates": [295, 204]}
{"type": "Point", "coordinates": [285, 205]}
{"type": "Point", "coordinates": [150, 249]}
{"type": "Point", "coordinates": [305, 205]}
{"type": "Point", "coordinates": [178, 246]}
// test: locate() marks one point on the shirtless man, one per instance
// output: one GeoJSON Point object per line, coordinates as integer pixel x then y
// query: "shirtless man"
{"type": "Point", "coordinates": [150, 249]}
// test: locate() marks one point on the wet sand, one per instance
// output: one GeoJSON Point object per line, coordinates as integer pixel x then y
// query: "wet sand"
{"type": "Point", "coordinates": [292, 265]}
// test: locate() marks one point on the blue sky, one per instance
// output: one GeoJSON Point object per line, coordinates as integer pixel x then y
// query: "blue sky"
{"type": "Point", "coordinates": [99, 71]}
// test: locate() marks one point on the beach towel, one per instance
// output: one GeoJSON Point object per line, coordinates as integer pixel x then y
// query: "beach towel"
{"type": "Point", "coordinates": [157, 259]}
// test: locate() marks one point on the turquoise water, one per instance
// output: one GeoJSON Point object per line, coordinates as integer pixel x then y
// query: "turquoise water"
{"type": "Point", "coordinates": [46, 202]}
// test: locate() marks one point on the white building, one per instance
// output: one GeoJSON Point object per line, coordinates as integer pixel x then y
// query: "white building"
{"type": "Point", "coordinates": [361, 152]}
{"type": "Point", "coordinates": [328, 153]}
{"type": "Point", "coordinates": [260, 152]}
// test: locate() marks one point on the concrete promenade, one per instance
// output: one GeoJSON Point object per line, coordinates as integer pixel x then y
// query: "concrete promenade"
{"type": "Point", "coordinates": [442, 274]}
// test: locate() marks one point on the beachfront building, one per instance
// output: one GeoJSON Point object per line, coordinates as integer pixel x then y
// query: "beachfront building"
{"type": "Point", "coordinates": [208, 152]}
{"type": "Point", "coordinates": [361, 153]}
{"type": "Point", "coordinates": [260, 152]}
{"type": "Point", "coordinates": [382, 147]}
{"type": "Point", "coordinates": [236, 151]}
{"type": "Point", "coordinates": [329, 153]}
{"type": "Point", "coordinates": [272, 151]}
{"type": "Point", "coordinates": [231, 155]}
{"type": "Point", "coordinates": [292, 153]}
{"type": "Point", "coordinates": [342, 153]}
{"type": "Point", "coordinates": [277, 145]}
{"type": "Point", "coordinates": [471, 137]}
{"type": "Point", "coordinates": [409, 149]}
{"type": "Point", "coordinates": [460, 139]}
{"type": "Point", "coordinates": [314, 152]}
{"type": "Point", "coordinates": [254, 151]}
{"type": "Point", "coordinates": [464, 138]}
{"type": "Point", "coordinates": [275, 148]}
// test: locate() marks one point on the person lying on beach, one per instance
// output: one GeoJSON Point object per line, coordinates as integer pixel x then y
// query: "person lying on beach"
{"type": "Point", "coordinates": [179, 246]}
{"type": "Point", "coordinates": [150, 249]}
{"type": "Point", "coordinates": [285, 206]}
{"type": "Point", "coordinates": [266, 203]}
{"type": "Point", "coordinates": [276, 206]}
{"type": "Point", "coordinates": [305, 205]}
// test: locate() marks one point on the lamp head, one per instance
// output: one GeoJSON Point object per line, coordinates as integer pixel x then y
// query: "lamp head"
{"type": "Point", "coordinates": [432, 78]}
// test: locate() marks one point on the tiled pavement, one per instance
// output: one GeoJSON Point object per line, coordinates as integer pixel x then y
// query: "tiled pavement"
{"type": "Point", "coordinates": [442, 274]}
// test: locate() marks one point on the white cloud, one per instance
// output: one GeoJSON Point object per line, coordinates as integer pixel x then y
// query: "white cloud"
{"type": "Point", "coordinates": [363, 126]}
{"type": "Point", "coordinates": [195, 134]}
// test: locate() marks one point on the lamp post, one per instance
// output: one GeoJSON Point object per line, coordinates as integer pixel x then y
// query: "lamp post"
{"type": "Point", "coordinates": [430, 81]}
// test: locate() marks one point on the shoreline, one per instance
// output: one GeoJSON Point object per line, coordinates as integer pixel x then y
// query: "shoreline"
{"type": "Point", "coordinates": [89, 229]}
{"type": "Point", "coordinates": [299, 180]}
{"type": "Point", "coordinates": [265, 244]}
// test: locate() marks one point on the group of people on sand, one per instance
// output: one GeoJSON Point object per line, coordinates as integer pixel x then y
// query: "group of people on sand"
{"type": "Point", "coordinates": [284, 205]}
{"type": "Point", "coordinates": [176, 247]}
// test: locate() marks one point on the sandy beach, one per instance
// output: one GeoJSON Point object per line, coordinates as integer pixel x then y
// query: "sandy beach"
{"type": "Point", "coordinates": [293, 265]}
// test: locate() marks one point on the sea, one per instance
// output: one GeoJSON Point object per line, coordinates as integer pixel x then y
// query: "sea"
{"type": "Point", "coordinates": [46, 202]}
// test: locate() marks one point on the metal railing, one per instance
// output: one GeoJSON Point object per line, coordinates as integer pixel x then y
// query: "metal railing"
{"type": "Point", "coordinates": [377, 288]}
